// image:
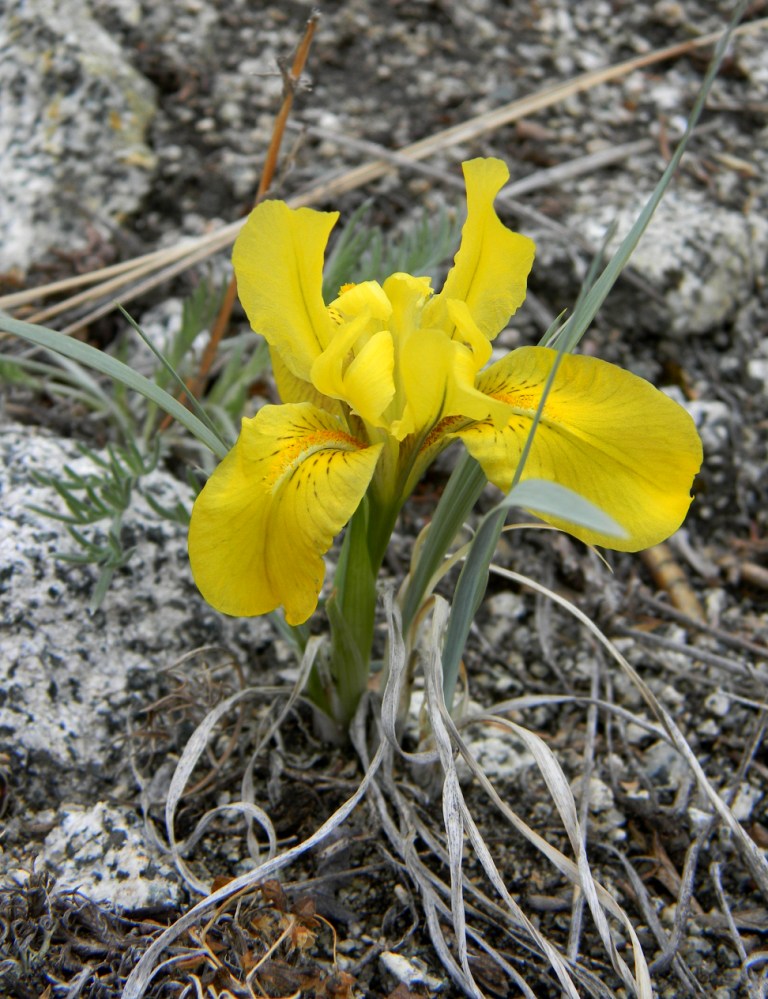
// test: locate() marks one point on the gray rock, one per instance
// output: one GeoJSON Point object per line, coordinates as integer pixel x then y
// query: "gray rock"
{"type": "Point", "coordinates": [606, 819]}
{"type": "Point", "coordinates": [409, 972]}
{"type": "Point", "coordinates": [718, 703]}
{"type": "Point", "coordinates": [714, 420]}
{"type": "Point", "coordinates": [744, 803]}
{"type": "Point", "coordinates": [664, 764]}
{"type": "Point", "coordinates": [70, 679]}
{"type": "Point", "coordinates": [72, 131]}
{"type": "Point", "coordinates": [499, 755]}
{"type": "Point", "coordinates": [102, 852]}
{"type": "Point", "coordinates": [705, 260]}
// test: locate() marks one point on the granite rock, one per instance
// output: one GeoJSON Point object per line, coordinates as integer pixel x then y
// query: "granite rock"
{"type": "Point", "coordinates": [73, 146]}
{"type": "Point", "coordinates": [102, 852]}
{"type": "Point", "coordinates": [72, 681]}
{"type": "Point", "coordinates": [705, 261]}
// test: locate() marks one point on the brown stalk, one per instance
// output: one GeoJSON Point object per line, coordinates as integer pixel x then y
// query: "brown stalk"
{"type": "Point", "coordinates": [290, 82]}
{"type": "Point", "coordinates": [669, 576]}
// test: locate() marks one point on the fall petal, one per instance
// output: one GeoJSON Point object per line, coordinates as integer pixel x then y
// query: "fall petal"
{"type": "Point", "coordinates": [604, 433]}
{"type": "Point", "coordinates": [272, 508]}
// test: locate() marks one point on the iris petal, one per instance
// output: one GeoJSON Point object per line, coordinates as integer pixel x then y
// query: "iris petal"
{"type": "Point", "coordinates": [363, 381]}
{"type": "Point", "coordinates": [439, 380]}
{"type": "Point", "coordinates": [605, 433]}
{"type": "Point", "coordinates": [272, 508]}
{"type": "Point", "coordinates": [468, 332]}
{"type": "Point", "coordinates": [492, 264]}
{"type": "Point", "coordinates": [278, 261]}
{"type": "Point", "coordinates": [291, 388]}
{"type": "Point", "coordinates": [368, 382]}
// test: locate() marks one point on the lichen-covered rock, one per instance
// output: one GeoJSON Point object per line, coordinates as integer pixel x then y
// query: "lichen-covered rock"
{"type": "Point", "coordinates": [72, 682]}
{"type": "Point", "coordinates": [72, 131]}
{"type": "Point", "coordinates": [704, 260]}
{"type": "Point", "coordinates": [69, 678]}
{"type": "Point", "coordinates": [103, 853]}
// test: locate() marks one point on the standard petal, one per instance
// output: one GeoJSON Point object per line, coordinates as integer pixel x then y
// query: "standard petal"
{"type": "Point", "coordinates": [492, 265]}
{"type": "Point", "coordinates": [468, 332]}
{"type": "Point", "coordinates": [366, 298]}
{"type": "Point", "coordinates": [272, 508]}
{"type": "Point", "coordinates": [605, 433]}
{"type": "Point", "coordinates": [429, 364]}
{"type": "Point", "coordinates": [438, 377]}
{"type": "Point", "coordinates": [278, 261]}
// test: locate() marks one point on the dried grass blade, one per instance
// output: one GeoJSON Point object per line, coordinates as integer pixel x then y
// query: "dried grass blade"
{"type": "Point", "coordinates": [490, 121]}
{"type": "Point", "coordinates": [564, 864]}
{"type": "Point", "coordinates": [193, 750]}
{"type": "Point", "coordinates": [91, 357]}
{"type": "Point", "coordinates": [17, 298]}
{"type": "Point", "coordinates": [145, 970]}
{"type": "Point", "coordinates": [458, 817]}
{"type": "Point", "coordinates": [248, 790]}
{"type": "Point", "coordinates": [357, 177]}
{"type": "Point", "coordinates": [750, 853]}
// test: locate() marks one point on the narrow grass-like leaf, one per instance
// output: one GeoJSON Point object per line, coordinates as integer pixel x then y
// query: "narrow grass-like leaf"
{"type": "Point", "coordinates": [64, 380]}
{"type": "Point", "coordinates": [541, 496]}
{"type": "Point", "coordinates": [458, 817]}
{"type": "Point", "coordinates": [361, 253]}
{"type": "Point", "coordinates": [143, 972]}
{"type": "Point", "coordinates": [247, 361]}
{"type": "Point", "coordinates": [351, 612]}
{"type": "Point", "coordinates": [469, 593]}
{"type": "Point", "coordinates": [752, 856]}
{"type": "Point", "coordinates": [459, 497]}
{"type": "Point", "coordinates": [589, 305]}
{"type": "Point", "coordinates": [172, 373]}
{"type": "Point", "coordinates": [352, 242]}
{"type": "Point", "coordinates": [89, 356]}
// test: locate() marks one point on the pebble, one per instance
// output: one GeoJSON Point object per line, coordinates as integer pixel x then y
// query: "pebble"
{"type": "Point", "coordinates": [714, 422]}
{"type": "Point", "coordinates": [499, 756]}
{"type": "Point", "coordinates": [504, 610]}
{"type": "Point", "coordinates": [664, 764]}
{"type": "Point", "coordinates": [102, 852]}
{"type": "Point", "coordinates": [718, 704]}
{"type": "Point", "coordinates": [744, 803]}
{"type": "Point", "coordinates": [410, 971]}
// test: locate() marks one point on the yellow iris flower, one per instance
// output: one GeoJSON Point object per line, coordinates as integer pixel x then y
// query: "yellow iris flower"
{"type": "Point", "coordinates": [375, 384]}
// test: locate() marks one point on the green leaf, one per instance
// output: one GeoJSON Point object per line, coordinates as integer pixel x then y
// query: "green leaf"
{"type": "Point", "coordinates": [459, 497]}
{"type": "Point", "coordinates": [589, 304]}
{"type": "Point", "coordinates": [97, 360]}
{"type": "Point", "coordinates": [171, 371]}
{"type": "Point", "coordinates": [541, 496]}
